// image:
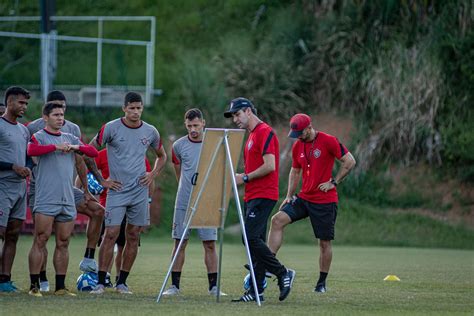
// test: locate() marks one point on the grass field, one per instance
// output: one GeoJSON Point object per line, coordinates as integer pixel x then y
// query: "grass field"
{"type": "Point", "coordinates": [433, 281]}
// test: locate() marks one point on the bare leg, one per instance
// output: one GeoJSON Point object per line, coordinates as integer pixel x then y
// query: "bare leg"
{"type": "Point", "coordinates": [179, 262]}
{"type": "Point", "coordinates": [106, 251]}
{"type": "Point", "coordinates": [130, 251]}
{"type": "Point", "coordinates": [118, 259]}
{"type": "Point", "coordinates": [95, 212]}
{"type": "Point", "coordinates": [9, 246]}
{"type": "Point", "coordinates": [43, 228]}
{"type": "Point", "coordinates": [275, 236]}
{"type": "Point", "coordinates": [325, 256]}
{"type": "Point", "coordinates": [210, 255]}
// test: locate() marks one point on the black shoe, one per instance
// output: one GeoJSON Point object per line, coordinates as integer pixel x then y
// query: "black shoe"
{"type": "Point", "coordinates": [320, 288]}
{"type": "Point", "coordinates": [285, 283]}
{"type": "Point", "coordinates": [249, 296]}
{"type": "Point", "coordinates": [108, 282]}
{"type": "Point", "coordinates": [267, 274]}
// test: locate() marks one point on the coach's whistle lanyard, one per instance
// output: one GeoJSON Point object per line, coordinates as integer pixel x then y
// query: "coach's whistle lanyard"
{"type": "Point", "coordinates": [308, 157]}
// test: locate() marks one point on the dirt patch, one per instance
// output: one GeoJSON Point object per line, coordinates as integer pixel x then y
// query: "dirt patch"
{"type": "Point", "coordinates": [449, 200]}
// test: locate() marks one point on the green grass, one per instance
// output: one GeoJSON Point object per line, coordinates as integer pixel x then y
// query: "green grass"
{"type": "Point", "coordinates": [433, 281]}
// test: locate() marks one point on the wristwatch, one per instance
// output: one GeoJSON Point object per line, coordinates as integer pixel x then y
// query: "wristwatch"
{"type": "Point", "coordinates": [245, 178]}
{"type": "Point", "coordinates": [334, 182]}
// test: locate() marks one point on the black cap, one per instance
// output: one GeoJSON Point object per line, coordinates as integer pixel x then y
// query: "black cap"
{"type": "Point", "coordinates": [239, 104]}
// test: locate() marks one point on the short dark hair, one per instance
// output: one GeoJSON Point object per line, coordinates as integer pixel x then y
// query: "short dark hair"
{"type": "Point", "coordinates": [56, 95]}
{"type": "Point", "coordinates": [50, 106]}
{"type": "Point", "coordinates": [15, 90]}
{"type": "Point", "coordinates": [191, 114]}
{"type": "Point", "coordinates": [132, 97]}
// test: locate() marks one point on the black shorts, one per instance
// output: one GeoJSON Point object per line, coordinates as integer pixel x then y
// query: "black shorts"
{"type": "Point", "coordinates": [121, 237]}
{"type": "Point", "coordinates": [322, 216]}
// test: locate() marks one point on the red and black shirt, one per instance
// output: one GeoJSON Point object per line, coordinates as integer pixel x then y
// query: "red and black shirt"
{"type": "Point", "coordinates": [262, 140]}
{"type": "Point", "coordinates": [316, 159]}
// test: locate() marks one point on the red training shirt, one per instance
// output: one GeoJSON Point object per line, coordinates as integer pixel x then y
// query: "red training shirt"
{"type": "Point", "coordinates": [316, 159]}
{"type": "Point", "coordinates": [262, 140]}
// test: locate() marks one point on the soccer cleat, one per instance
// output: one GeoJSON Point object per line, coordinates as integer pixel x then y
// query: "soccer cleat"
{"type": "Point", "coordinates": [88, 265]}
{"type": "Point", "coordinates": [267, 274]}
{"type": "Point", "coordinates": [122, 289]}
{"type": "Point", "coordinates": [172, 290]}
{"type": "Point", "coordinates": [285, 283]}
{"type": "Point", "coordinates": [8, 287]}
{"type": "Point", "coordinates": [64, 292]}
{"type": "Point", "coordinates": [35, 292]}
{"type": "Point", "coordinates": [213, 292]}
{"type": "Point", "coordinates": [108, 281]}
{"type": "Point", "coordinates": [44, 286]}
{"type": "Point", "coordinates": [249, 296]}
{"type": "Point", "coordinates": [320, 288]}
{"type": "Point", "coordinates": [99, 289]}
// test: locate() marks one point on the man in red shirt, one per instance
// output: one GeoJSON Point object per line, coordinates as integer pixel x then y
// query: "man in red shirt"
{"type": "Point", "coordinates": [261, 159]}
{"type": "Point", "coordinates": [313, 160]}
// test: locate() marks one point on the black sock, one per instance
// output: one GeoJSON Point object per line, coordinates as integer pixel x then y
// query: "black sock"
{"type": "Point", "coordinates": [89, 253]}
{"type": "Point", "coordinates": [102, 275]}
{"type": "Point", "coordinates": [322, 277]}
{"type": "Point", "coordinates": [123, 277]}
{"type": "Point", "coordinates": [116, 279]}
{"type": "Point", "coordinates": [212, 277]}
{"type": "Point", "coordinates": [175, 278]}
{"type": "Point", "coordinates": [60, 281]}
{"type": "Point", "coordinates": [43, 277]}
{"type": "Point", "coordinates": [4, 278]}
{"type": "Point", "coordinates": [34, 281]}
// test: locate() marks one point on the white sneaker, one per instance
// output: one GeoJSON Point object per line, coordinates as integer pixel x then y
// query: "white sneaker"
{"type": "Point", "coordinates": [44, 286]}
{"type": "Point", "coordinates": [213, 292]}
{"type": "Point", "coordinates": [99, 289]}
{"type": "Point", "coordinates": [88, 265]}
{"type": "Point", "coordinates": [172, 290]}
{"type": "Point", "coordinates": [122, 289]}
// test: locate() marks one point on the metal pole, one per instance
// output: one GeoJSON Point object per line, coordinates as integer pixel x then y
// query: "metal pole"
{"type": "Point", "coordinates": [241, 218]}
{"type": "Point", "coordinates": [98, 83]}
{"type": "Point", "coordinates": [221, 228]}
{"type": "Point", "coordinates": [150, 57]}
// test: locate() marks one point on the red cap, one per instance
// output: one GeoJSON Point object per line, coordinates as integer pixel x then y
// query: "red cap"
{"type": "Point", "coordinates": [298, 123]}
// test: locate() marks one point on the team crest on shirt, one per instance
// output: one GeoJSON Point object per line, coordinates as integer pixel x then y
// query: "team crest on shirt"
{"type": "Point", "coordinates": [250, 144]}
{"type": "Point", "coordinates": [316, 153]}
{"type": "Point", "coordinates": [145, 141]}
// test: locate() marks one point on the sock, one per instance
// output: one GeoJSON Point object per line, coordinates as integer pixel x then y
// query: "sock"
{"type": "Point", "coordinates": [322, 277]}
{"type": "Point", "coordinates": [102, 275]}
{"type": "Point", "coordinates": [116, 279]}
{"type": "Point", "coordinates": [212, 277]}
{"type": "Point", "coordinates": [122, 277]}
{"type": "Point", "coordinates": [34, 281]}
{"type": "Point", "coordinates": [4, 278]}
{"type": "Point", "coordinates": [175, 278]}
{"type": "Point", "coordinates": [60, 281]}
{"type": "Point", "coordinates": [89, 253]}
{"type": "Point", "coordinates": [43, 277]}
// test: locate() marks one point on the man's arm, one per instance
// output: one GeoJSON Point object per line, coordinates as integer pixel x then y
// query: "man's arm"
{"type": "Point", "coordinates": [159, 164]}
{"type": "Point", "coordinates": [177, 171]}
{"type": "Point", "coordinates": [347, 164]}
{"type": "Point", "coordinates": [293, 180]}
{"type": "Point", "coordinates": [267, 167]}
{"type": "Point", "coordinates": [92, 166]}
{"type": "Point", "coordinates": [82, 176]}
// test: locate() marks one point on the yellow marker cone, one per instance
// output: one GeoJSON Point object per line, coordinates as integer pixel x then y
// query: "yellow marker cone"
{"type": "Point", "coordinates": [391, 277]}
